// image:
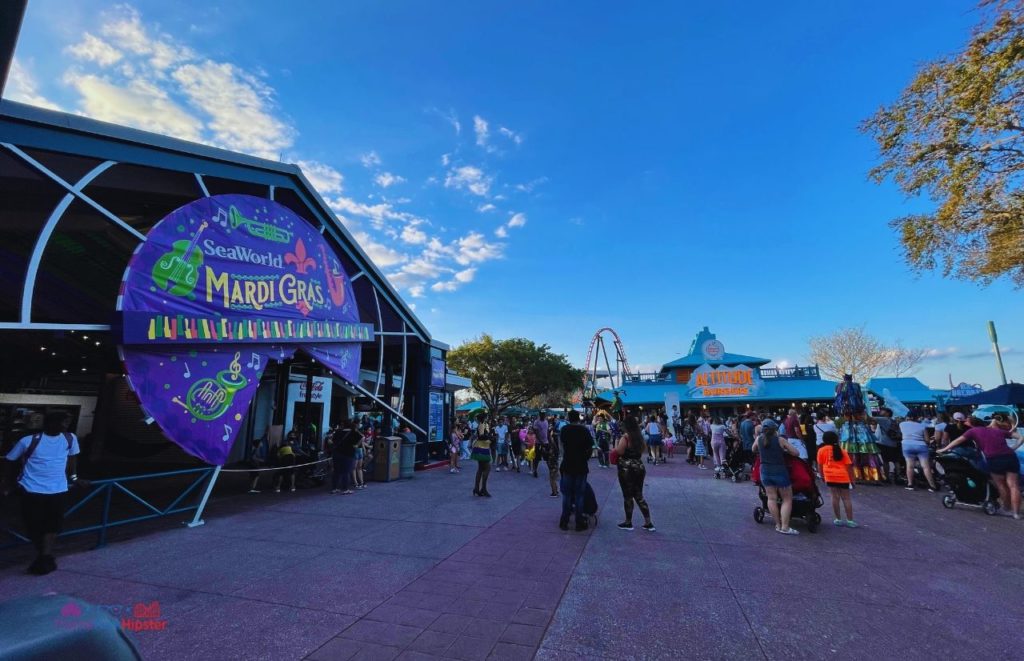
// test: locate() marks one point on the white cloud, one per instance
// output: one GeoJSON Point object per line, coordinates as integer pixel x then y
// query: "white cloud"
{"type": "Point", "coordinates": [470, 178]}
{"type": "Point", "coordinates": [377, 213]}
{"type": "Point", "coordinates": [501, 232]}
{"type": "Point", "coordinates": [474, 248]}
{"type": "Point", "coordinates": [460, 278]}
{"type": "Point", "coordinates": [449, 116]}
{"type": "Point", "coordinates": [124, 28]}
{"type": "Point", "coordinates": [484, 208]}
{"type": "Point", "coordinates": [385, 179]}
{"type": "Point", "coordinates": [416, 291]}
{"type": "Point", "coordinates": [239, 107]}
{"type": "Point", "coordinates": [382, 255]}
{"type": "Point", "coordinates": [413, 234]}
{"type": "Point", "coordinates": [446, 159]}
{"type": "Point", "coordinates": [481, 130]}
{"type": "Point", "coordinates": [530, 185]}
{"type": "Point", "coordinates": [576, 220]}
{"type": "Point", "coordinates": [139, 103]}
{"type": "Point", "coordinates": [511, 135]}
{"type": "Point", "coordinates": [323, 177]}
{"type": "Point", "coordinates": [21, 87]}
{"type": "Point", "coordinates": [370, 159]}
{"type": "Point", "coordinates": [94, 49]}
{"type": "Point", "coordinates": [517, 220]}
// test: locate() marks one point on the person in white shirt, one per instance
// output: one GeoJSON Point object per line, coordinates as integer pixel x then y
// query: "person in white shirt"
{"type": "Point", "coordinates": [915, 448]}
{"type": "Point", "coordinates": [823, 424]}
{"type": "Point", "coordinates": [50, 458]}
{"type": "Point", "coordinates": [501, 435]}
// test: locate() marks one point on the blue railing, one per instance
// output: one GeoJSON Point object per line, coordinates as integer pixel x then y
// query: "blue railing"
{"type": "Point", "coordinates": [766, 373]}
{"type": "Point", "coordinates": [790, 372]}
{"type": "Point", "coordinates": [107, 488]}
{"type": "Point", "coordinates": [647, 377]}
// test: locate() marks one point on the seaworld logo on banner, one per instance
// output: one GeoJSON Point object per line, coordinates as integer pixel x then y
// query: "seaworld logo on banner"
{"type": "Point", "coordinates": [219, 289]}
{"type": "Point", "coordinates": [739, 381]}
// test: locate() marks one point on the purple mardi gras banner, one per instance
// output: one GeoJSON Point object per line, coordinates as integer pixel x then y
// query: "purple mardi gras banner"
{"type": "Point", "coordinates": [220, 288]}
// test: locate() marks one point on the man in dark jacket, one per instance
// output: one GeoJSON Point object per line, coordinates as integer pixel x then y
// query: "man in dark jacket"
{"type": "Point", "coordinates": [576, 447]}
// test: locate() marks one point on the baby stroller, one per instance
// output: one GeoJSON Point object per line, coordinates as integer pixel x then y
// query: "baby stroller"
{"type": "Point", "coordinates": [735, 463]}
{"type": "Point", "coordinates": [589, 506]}
{"type": "Point", "coordinates": [806, 498]}
{"type": "Point", "coordinates": [968, 483]}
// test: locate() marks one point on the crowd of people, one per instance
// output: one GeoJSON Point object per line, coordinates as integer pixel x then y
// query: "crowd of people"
{"type": "Point", "coordinates": [786, 452]}
{"type": "Point", "coordinates": [564, 444]}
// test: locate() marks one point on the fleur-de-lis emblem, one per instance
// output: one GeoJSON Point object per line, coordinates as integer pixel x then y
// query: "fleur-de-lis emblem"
{"type": "Point", "coordinates": [301, 260]}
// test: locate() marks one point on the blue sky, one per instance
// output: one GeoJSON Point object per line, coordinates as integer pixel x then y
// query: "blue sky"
{"type": "Point", "coordinates": [544, 169]}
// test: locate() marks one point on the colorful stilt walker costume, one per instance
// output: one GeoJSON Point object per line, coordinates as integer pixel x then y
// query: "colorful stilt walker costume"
{"type": "Point", "coordinates": [855, 435]}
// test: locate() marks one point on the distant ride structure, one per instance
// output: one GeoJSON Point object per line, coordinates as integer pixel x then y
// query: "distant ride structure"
{"type": "Point", "coordinates": [599, 364]}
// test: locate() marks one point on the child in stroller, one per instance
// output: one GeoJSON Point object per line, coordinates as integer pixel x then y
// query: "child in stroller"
{"type": "Point", "coordinates": [589, 506]}
{"type": "Point", "coordinates": [806, 497]}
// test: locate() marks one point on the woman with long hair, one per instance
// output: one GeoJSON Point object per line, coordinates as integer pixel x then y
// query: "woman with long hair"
{"type": "Point", "coordinates": [630, 451]}
{"type": "Point", "coordinates": [481, 454]}
{"type": "Point", "coordinates": [837, 469]}
{"type": "Point", "coordinates": [775, 475]}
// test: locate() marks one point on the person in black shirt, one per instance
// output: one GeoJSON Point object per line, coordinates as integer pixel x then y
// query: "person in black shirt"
{"type": "Point", "coordinates": [343, 456]}
{"type": "Point", "coordinates": [576, 447]}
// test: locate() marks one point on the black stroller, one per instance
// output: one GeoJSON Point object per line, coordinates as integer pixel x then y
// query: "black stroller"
{"type": "Point", "coordinates": [967, 482]}
{"type": "Point", "coordinates": [736, 460]}
{"type": "Point", "coordinates": [806, 500]}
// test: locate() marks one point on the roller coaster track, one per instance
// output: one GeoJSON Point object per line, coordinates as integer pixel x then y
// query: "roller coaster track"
{"type": "Point", "coordinates": [598, 351]}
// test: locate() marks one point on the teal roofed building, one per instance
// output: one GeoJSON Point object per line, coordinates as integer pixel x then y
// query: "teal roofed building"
{"type": "Point", "coordinates": [710, 377]}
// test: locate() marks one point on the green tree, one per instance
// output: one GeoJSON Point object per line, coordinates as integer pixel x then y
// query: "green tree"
{"type": "Point", "coordinates": [956, 134]}
{"type": "Point", "coordinates": [510, 372]}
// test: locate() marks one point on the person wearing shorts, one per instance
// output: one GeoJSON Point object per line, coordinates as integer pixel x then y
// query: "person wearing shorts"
{"type": "Point", "coordinates": [837, 470]}
{"type": "Point", "coordinates": [774, 475]}
{"type": "Point", "coordinates": [654, 438]}
{"type": "Point", "coordinates": [1000, 457]}
{"type": "Point", "coordinates": [915, 448]}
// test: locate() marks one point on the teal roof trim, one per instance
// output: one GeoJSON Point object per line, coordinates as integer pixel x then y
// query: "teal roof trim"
{"type": "Point", "coordinates": [781, 390]}
{"type": "Point", "coordinates": [726, 359]}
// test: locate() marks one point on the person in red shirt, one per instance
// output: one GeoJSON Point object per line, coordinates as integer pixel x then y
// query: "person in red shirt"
{"type": "Point", "coordinates": [837, 469]}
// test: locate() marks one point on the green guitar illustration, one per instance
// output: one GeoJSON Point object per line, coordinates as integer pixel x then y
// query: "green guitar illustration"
{"type": "Point", "coordinates": [178, 271]}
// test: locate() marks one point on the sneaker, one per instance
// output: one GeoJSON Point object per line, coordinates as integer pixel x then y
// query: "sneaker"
{"type": "Point", "coordinates": [838, 522]}
{"type": "Point", "coordinates": [909, 488]}
{"type": "Point", "coordinates": [787, 531]}
{"type": "Point", "coordinates": [625, 525]}
{"type": "Point", "coordinates": [347, 492]}
{"type": "Point", "coordinates": [649, 527]}
{"type": "Point", "coordinates": [851, 524]}
{"type": "Point", "coordinates": [277, 490]}
{"type": "Point", "coordinates": [932, 489]}
{"type": "Point", "coordinates": [254, 490]}
{"type": "Point", "coordinates": [451, 470]}
{"type": "Point", "coordinates": [554, 495]}
{"type": "Point", "coordinates": [335, 490]}
{"type": "Point", "coordinates": [293, 489]}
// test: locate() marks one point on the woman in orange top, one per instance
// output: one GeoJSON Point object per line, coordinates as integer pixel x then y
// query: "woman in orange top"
{"type": "Point", "coordinates": [837, 469]}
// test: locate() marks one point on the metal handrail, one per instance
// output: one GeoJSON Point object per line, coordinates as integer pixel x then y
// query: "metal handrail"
{"type": "Point", "coordinates": [107, 487]}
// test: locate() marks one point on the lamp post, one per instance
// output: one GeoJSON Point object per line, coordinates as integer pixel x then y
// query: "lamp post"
{"type": "Point", "coordinates": [995, 345]}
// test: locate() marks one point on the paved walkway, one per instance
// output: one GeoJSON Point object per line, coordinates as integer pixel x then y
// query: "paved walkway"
{"type": "Point", "coordinates": [421, 569]}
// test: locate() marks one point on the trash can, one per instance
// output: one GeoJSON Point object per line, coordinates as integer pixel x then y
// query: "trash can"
{"type": "Point", "coordinates": [387, 456]}
{"type": "Point", "coordinates": [408, 456]}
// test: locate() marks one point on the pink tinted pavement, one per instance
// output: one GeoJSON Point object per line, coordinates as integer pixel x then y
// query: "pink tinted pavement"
{"type": "Point", "coordinates": [421, 569]}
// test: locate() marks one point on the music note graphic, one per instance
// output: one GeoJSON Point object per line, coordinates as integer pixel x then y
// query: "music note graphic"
{"type": "Point", "coordinates": [221, 218]}
{"type": "Point", "coordinates": [254, 362]}
{"type": "Point", "coordinates": [227, 433]}
{"type": "Point", "coordinates": [188, 372]}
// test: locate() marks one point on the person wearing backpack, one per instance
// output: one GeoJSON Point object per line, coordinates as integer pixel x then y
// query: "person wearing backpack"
{"type": "Point", "coordinates": [48, 461]}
